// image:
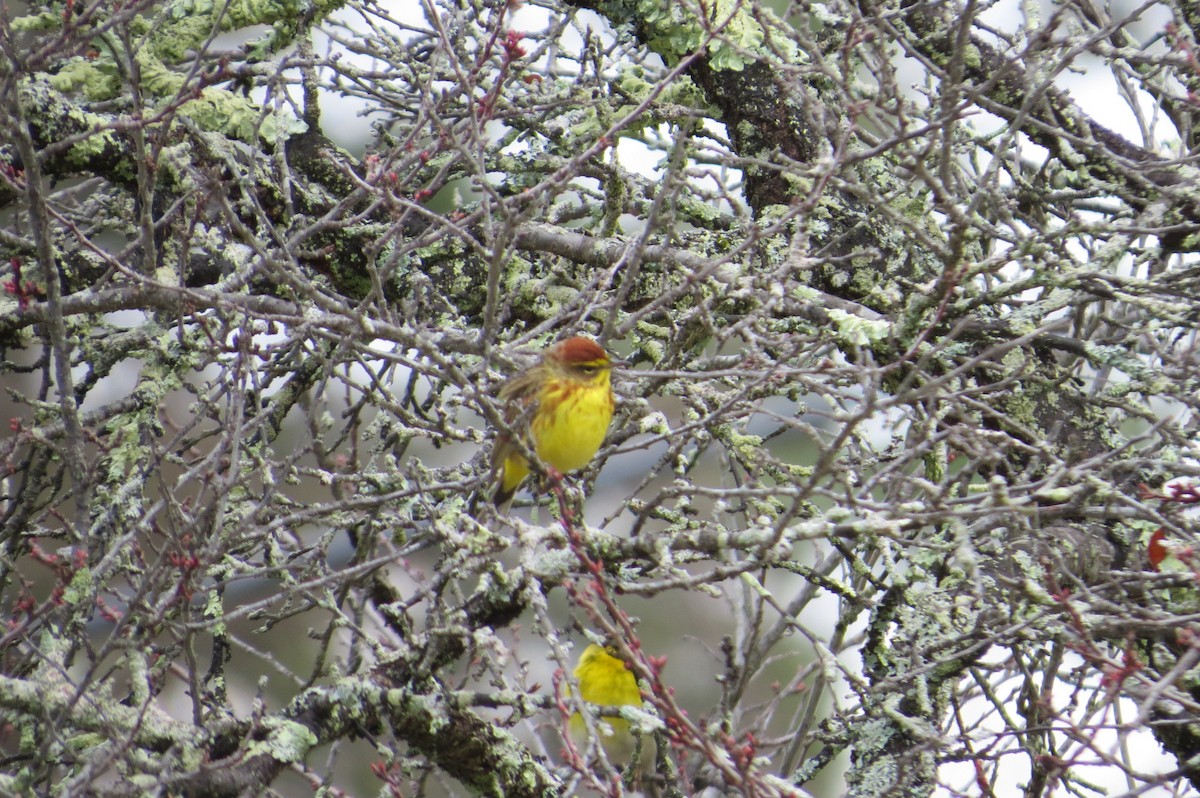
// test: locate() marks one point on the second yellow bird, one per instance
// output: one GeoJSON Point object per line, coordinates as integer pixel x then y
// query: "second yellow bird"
{"type": "Point", "coordinates": [604, 680]}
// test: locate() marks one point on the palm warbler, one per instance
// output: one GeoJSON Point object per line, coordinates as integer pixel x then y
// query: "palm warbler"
{"type": "Point", "coordinates": [561, 407]}
{"type": "Point", "coordinates": [604, 680]}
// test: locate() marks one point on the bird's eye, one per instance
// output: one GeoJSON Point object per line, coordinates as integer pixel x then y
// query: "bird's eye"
{"type": "Point", "coordinates": [588, 369]}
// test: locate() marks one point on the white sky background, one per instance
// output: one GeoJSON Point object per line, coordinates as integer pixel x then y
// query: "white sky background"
{"type": "Point", "coordinates": [1096, 92]}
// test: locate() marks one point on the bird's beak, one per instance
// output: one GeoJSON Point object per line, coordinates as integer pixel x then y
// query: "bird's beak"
{"type": "Point", "coordinates": [617, 363]}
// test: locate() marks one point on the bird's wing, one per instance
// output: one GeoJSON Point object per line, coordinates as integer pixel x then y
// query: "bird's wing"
{"type": "Point", "coordinates": [520, 397]}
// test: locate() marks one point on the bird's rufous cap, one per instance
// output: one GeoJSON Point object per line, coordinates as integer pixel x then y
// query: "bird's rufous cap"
{"type": "Point", "coordinates": [579, 350]}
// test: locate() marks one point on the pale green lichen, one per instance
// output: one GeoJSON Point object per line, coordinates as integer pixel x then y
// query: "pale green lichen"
{"type": "Point", "coordinates": [651, 340]}
{"type": "Point", "coordinates": [1059, 495]}
{"type": "Point", "coordinates": [553, 565]}
{"type": "Point", "coordinates": [286, 741]}
{"type": "Point", "coordinates": [654, 423]}
{"type": "Point", "coordinates": [806, 293]}
{"type": "Point", "coordinates": [543, 299]}
{"type": "Point", "coordinates": [93, 146]}
{"type": "Point", "coordinates": [192, 21]}
{"type": "Point", "coordinates": [80, 589]}
{"type": "Point", "coordinates": [856, 331]}
{"type": "Point", "coordinates": [96, 81]}
{"type": "Point", "coordinates": [60, 119]}
{"type": "Point", "coordinates": [745, 445]}
{"type": "Point", "coordinates": [98, 78]}
{"type": "Point", "coordinates": [37, 23]}
{"type": "Point", "coordinates": [733, 35]}
{"type": "Point", "coordinates": [214, 608]}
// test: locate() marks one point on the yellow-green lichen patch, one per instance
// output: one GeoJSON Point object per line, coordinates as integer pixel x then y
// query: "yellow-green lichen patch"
{"type": "Point", "coordinates": [286, 741]}
{"type": "Point", "coordinates": [856, 331]}
{"type": "Point", "coordinates": [733, 35]}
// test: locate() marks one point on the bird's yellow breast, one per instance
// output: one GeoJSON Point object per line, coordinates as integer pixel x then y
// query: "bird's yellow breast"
{"type": "Point", "coordinates": [573, 423]}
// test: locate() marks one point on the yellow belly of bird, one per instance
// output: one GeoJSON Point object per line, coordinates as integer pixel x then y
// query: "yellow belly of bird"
{"type": "Point", "coordinates": [568, 436]}
{"type": "Point", "coordinates": [568, 431]}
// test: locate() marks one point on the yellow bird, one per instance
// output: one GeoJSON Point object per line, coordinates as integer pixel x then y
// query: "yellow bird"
{"type": "Point", "coordinates": [606, 681]}
{"type": "Point", "coordinates": [561, 407]}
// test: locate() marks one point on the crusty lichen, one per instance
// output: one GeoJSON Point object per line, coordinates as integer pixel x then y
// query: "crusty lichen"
{"type": "Point", "coordinates": [187, 28]}
{"type": "Point", "coordinates": [286, 740]}
{"type": "Point", "coordinates": [743, 34]}
{"type": "Point", "coordinates": [856, 331]}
